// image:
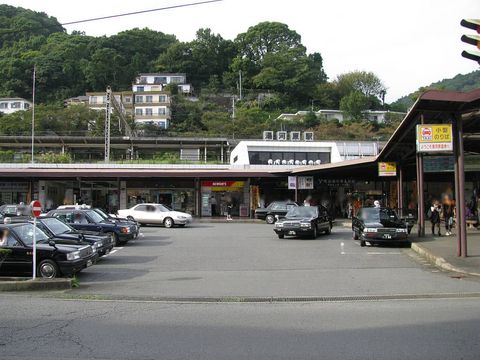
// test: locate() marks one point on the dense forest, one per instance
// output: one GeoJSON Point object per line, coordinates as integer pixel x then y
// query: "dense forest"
{"type": "Point", "coordinates": [278, 75]}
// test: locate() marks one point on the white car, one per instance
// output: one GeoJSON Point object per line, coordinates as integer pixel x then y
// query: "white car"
{"type": "Point", "coordinates": [156, 214]}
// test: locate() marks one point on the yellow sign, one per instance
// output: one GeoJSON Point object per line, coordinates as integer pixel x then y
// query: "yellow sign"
{"type": "Point", "coordinates": [434, 138]}
{"type": "Point", "coordinates": [387, 169]}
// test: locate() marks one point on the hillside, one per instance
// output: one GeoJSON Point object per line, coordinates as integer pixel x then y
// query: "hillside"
{"type": "Point", "coordinates": [461, 82]}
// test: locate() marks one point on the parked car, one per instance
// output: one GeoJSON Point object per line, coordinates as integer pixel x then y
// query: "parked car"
{"type": "Point", "coordinates": [156, 214]}
{"type": "Point", "coordinates": [65, 234]}
{"type": "Point", "coordinates": [378, 225]}
{"type": "Point", "coordinates": [130, 221]}
{"type": "Point", "coordinates": [13, 210]}
{"type": "Point", "coordinates": [53, 259]}
{"type": "Point", "coordinates": [304, 221]}
{"type": "Point", "coordinates": [273, 210]}
{"type": "Point", "coordinates": [89, 220]}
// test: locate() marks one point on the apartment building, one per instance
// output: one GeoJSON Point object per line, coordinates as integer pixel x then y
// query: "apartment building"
{"type": "Point", "coordinates": [13, 104]}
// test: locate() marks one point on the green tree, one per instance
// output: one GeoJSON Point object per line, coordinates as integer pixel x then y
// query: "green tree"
{"type": "Point", "coordinates": [354, 104]}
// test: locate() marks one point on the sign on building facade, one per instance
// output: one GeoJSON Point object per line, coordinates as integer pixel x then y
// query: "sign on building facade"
{"type": "Point", "coordinates": [433, 138]}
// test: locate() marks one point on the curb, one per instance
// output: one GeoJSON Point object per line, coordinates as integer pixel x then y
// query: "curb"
{"type": "Point", "coordinates": [27, 284]}
{"type": "Point", "coordinates": [438, 260]}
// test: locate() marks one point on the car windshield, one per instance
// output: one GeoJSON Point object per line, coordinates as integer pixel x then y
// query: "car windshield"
{"type": "Point", "coordinates": [25, 233]}
{"type": "Point", "coordinates": [163, 208]}
{"type": "Point", "coordinates": [95, 216]}
{"type": "Point", "coordinates": [375, 214]}
{"type": "Point", "coordinates": [302, 211]}
{"type": "Point", "coordinates": [56, 226]}
{"type": "Point", "coordinates": [102, 213]}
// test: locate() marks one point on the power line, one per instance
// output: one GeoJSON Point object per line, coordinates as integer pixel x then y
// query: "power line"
{"type": "Point", "coordinates": [9, 31]}
{"type": "Point", "coordinates": [141, 12]}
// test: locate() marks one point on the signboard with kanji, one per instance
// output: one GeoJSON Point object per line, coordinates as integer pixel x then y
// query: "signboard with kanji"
{"type": "Point", "coordinates": [387, 169]}
{"type": "Point", "coordinates": [434, 138]}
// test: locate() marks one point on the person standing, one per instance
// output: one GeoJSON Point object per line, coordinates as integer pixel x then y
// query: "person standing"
{"type": "Point", "coordinates": [213, 204]}
{"type": "Point", "coordinates": [447, 208]}
{"type": "Point", "coordinates": [435, 211]}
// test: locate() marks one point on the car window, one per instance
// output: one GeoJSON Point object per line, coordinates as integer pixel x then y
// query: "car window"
{"type": "Point", "coordinates": [102, 213]}
{"type": "Point", "coordinates": [56, 226]}
{"type": "Point", "coordinates": [79, 218]}
{"type": "Point", "coordinates": [12, 242]}
{"type": "Point", "coordinates": [10, 210]}
{"type": "Point", "coordinates": [375, 214]}
{"type": "Point", "coordinates": [94, 216]}
{"type": "Point", "coordinates": [289, 206]}
{"type": "Point", "coordinates": [279, 207]}
{"type": "Point", "coordinates": [163, 208]}
{"type": "Point", "coordinates": [25, 233]}
{"type": "Point", "coordinates": [66, 217]}
{"type": "Point", "coordinates": [141, 208]}
{"type": "Point", "coordinates": [302, 211]}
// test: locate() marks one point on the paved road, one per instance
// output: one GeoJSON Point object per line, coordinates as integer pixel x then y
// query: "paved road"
{"type": "Point", "coordinates": [34, 328]}
{"type": "Point", "coordinates": [233, 259]}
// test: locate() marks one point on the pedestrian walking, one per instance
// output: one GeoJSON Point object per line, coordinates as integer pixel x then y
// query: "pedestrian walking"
{"type": "Point", "coordinates": [213, 204]}
{"type": "Point", "coordinates": [229, 211]}
{"type": "Point", "coordinates": [435, 211]}
{"type": "Point", "coordinates": [447, 209]}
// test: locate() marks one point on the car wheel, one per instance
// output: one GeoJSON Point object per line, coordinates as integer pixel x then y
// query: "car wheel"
{"type": "Point", "coordinates": [281, 236]}
{"type": "Point", "coordinates": [48, 269]}
{"type": "Point", "coordinates": [114, 238]}
{"type": "Point", "coordinates": [168, 222]}
{"type": "Point", "coordinates": [270, 219]}
{"type": "Point", "coordinates": [315, 232]}
{"type": "Point", "coordinates": [354, 235]}
{"type": "Point", "coordinates": [329, 229]}
{"type": "Point", "coordinates": [362, 243]}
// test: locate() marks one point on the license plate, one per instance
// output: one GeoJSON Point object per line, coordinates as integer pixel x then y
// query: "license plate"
{"type": "Point", "coordinates": [89, 263]}
{"type": "Point", "coordinates": [387, 236]}
{"type": "Point", "coordinates": [291, 233]}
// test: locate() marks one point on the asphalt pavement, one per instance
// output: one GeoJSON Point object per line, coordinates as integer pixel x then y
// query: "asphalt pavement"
{"type": "Point", "coordinates": [248, 260]}
{"type": "Point", "coordinates": [36, 328]}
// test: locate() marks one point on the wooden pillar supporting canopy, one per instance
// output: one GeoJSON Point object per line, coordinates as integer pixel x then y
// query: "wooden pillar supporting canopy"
{"type": "Point", "coordinates": [460, 186]}
{"type": "Point", "coordinates": [420, 191]}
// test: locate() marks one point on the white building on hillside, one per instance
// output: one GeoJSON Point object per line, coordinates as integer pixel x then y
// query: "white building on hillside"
{"type": "Point", "coordinates": [379, 116]}
{"type": "Point", "coordinates": [261, 152]}
{"type": "Point", "coordinates": [11, 105]}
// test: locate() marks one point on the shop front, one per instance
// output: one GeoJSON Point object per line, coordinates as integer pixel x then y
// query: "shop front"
{"type": "Point", "coordinates": [216, 195]}
{"type": "Point", "coordinates": [14, 192]}
{"type": "Point", "coordinates": [178, 195]}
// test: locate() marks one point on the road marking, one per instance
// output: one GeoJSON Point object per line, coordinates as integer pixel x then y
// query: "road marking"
{"type": "Point", "coordinates": [384, 253]}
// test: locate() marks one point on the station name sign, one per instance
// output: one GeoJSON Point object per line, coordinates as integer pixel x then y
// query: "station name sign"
{"type": "Point", "coordinates": [433, 138]}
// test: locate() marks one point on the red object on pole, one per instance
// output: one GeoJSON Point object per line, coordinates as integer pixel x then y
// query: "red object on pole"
{"type": "Point", "coordinates": [36, 208]}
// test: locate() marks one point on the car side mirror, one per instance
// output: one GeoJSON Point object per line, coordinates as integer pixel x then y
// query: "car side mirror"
{"type": "Point", "coordinates": [52, 243]}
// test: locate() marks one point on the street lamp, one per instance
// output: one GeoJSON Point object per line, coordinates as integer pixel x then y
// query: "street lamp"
{"type": "Point", "coordinates": [33, 113]}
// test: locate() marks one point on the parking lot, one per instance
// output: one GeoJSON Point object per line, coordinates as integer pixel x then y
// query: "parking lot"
{"type": "Point", "coordinates": [247, 259]}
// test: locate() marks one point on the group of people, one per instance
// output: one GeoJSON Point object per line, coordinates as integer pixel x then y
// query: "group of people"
{"type": "Point", "coordinates": [445, 209]}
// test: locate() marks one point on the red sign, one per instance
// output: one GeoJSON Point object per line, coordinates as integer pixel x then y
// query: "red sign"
{"type": "Point", "coordinates": [426, 134]}
{"type": "Point", "coordinates": [36, 208]}
{"type": "Point", "coordinates": [222, 183]}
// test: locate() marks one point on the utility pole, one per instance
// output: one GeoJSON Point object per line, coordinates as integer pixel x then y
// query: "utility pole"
{"type": "Point", "coordinates": [233, 107]}
{"type": "Point", "coordinates": [240, 83]}
{"type": "Point", "coordinates": [33, 113]}
{"type": "Point", "coordinates": [107, 124]}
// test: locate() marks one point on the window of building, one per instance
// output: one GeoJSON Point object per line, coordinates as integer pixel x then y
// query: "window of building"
{"type": "Point", "coordinates": [162, 124]}
{"type": "Point", "coordinates": [140, 88]}
{"type": "Point", "coordinates": [139, 112]}
{"type": "Point", "coordinates": [16, 105]}
{"type": "Point", "coordinates": [160, 80]}
{"type": "Point", "coordinates": [93, 99]}
{"type": "Point", "coordinates": [162, 111]}
{"type": "Point", "coordinates": [4, 105]}
{"type": "Point", "coordinates": [148, 111]}
{"type": "Point", "coordinates": [139, 99]}
{"type": "Point", "coordinates": [235, 159]}
{"type": "Point", "coordinates": [176, 79]}
{"type": "Point", "coordinates": [128, 99]}
{"type": "Point", "coordinates": [26, 106]}
{"type": "Point", "coordinates": [149, 98]}
{"type": "Point", "coordinates": [143, 80]}
{"type": "Point", "coordinates": [162, 98]}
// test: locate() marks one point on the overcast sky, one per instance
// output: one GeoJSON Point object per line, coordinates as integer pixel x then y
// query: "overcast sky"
{"type": "Point", "coordinates": [408, 43]}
